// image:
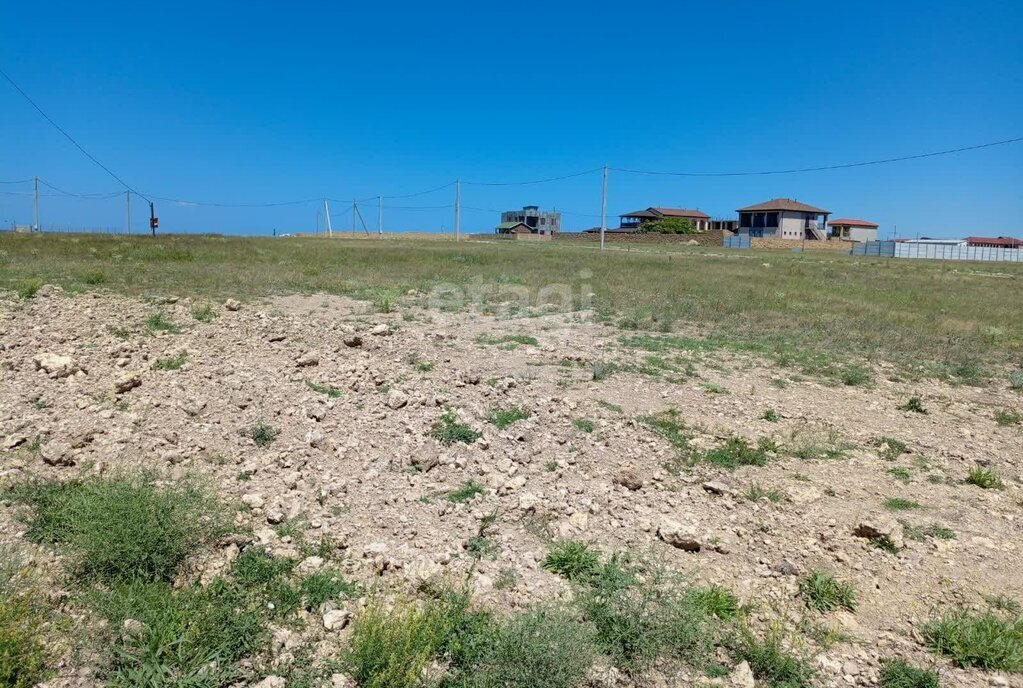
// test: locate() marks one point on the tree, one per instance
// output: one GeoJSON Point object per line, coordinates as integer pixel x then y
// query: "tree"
{"type": "Point", "coordinates": [668, 225]}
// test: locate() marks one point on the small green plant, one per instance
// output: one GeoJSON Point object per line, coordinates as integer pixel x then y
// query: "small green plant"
{"type": "Point", "coordinates": [609, 406]}
{"type": "Point", "coordinates": [509, 341]}
{"type": "Point", "coordinates": [984, 478]}
{"type": "Point", "coordinates": [914, 405]}
{"type": "Point", "coordinates": [718, 601]}
{"type": "Point", "coordinates": [573, 559]}
{"type": "Point", "coordinates": [449, 430]}
{"type": "Point", "coordinates": [551, 466]}
{"type": "Point", "coordinates": [1005, 417]}
{"type": "Point", "coordinates": [29, 287]}
{"type": "Point", "coordinates": [204, 312]}
{"type": "Point", "coordinates": [890, 448]}
{"type": "Point", "coordinates": [325, 586]}
{"type": "Point", "coordinates": [1003, 603]}
{"type": "Point", "coordinates": [503, 417]}
{"type": "Point", "coordinates": [770, 415]}
{"type": "Point", "coordinates": [900, 473]}
{"type": "Point", "coordinates": [465, 492]}
{"type": "Point", "coordinates": [173, 363]}
{"type": "Point", "coordinates": [23, 616]}
{"type": "Point", "coordinates": [922, 533]}
{"type": "Point", "coordinates": [771, 663]}
{"type": "Point", "coordinates": [507, 578]}
{"type": "Point", "coordinates": [583, 424]}
{"type": "Point", "coordinates": [897, 673]}
{"type": "Point", "coordinates": [813, 444]}
{"type": "Point", "coordinates": [884, 543]}
{"type": "Point", "coordinates": [901, 504]}
{"type": "Point", "coordinates": [985, 640]}
{"type": "Point", "coordinates": [262, 434]}
{"type": "Point", "coordinates": [856, 376]}
{"type": "Point", "coordinates": [602, 370]}
{"type": "Point", "coordinates": [757, 492]}
{"type": "Point", "coordinates": [711, 388]}
{"type": "Point", "coordinates": [1016, 380]}
{"type": "Point", "coordinates": [329, 390]}
{"type": "Point", "coordinates": [158, 322]}
{"type": "Point", "coordinates": [94, 277]}
{"type": "Point", "coordinates": [737, 451]}
{"type": "Point", "coordinates": [823, 592]}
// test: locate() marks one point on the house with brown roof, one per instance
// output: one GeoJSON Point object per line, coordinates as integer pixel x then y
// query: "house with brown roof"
{"type": "Point", "coordinates": [632, 221]}
{"type": "Point", "coordinates": [783, 218]}
{"type": "Point", "coordinates": [850, 229]}
{"type": "Point", "coordinates": [995, 242]}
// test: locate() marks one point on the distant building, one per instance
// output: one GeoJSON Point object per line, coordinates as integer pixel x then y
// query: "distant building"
{"type": "Point", "coordinates": [783, 218]}
{"type": "Point", "coordinates": [995, 242]}
{"type": "Point", "coordinates": [536, 221]}
{"type": "Point", "coordinates": [513, 228]}
{"type": "Point", "coordinates": [933, 241]}
{"type": "Point", "coordinates": [850, 229]}
{"type": "Point", "coordinates": [632, 221]}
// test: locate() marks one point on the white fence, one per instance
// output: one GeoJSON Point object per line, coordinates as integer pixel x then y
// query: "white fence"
{"type": "Point", "coordinates": [946, 252]}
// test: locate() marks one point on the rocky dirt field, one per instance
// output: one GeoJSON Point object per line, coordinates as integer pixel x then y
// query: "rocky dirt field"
{"type": "Point", "coordinates": [438, 446]}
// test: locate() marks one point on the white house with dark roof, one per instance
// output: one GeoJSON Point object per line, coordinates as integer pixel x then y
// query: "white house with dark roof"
{"type": "Point", "coordinates": [852, 229]}
{"type": "Point", "coordinates": [783, 218]}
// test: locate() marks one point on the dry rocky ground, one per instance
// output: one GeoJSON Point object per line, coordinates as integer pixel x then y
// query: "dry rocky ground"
{"type": "Point", "coordinates": [79, 394]}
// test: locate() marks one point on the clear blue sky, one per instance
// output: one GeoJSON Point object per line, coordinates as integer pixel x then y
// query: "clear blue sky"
{"type": "Point", "coordinates": [262, 102]}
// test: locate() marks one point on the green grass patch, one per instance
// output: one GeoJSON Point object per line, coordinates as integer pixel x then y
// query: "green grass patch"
{"type": "Point", "coordinates": [984, 478]}
{"type": "Point", "coordinates": [814, 444]}
{"type": "Point", "coordinates": [504, 417]}
{"type": "Point", "coordinates": [889, 448]}
{"type": "Point", "coordinates": [508, 340]}
{"type": "Point", "coordinates": [772, 664]}
{"type": "Point", "coordinates": [932, 531]}
{"type": "Point", "coordinates": [736, 452]}
{"type": "Point", "coordinates": [901, 504]}
{"type": "Point", "coordinates": [173, 363]}
{"type": "Point", "coordinates": [158, 322]}
{"type": "Point", "coordinates": [204, 312]}
{"type": "Point", "coordinates": [449, 430]}
{"type": "Point", "coordinates": [262, 434]}
{"type": "Point", "coordinates": [898, 673]}
{"type": "Point", "coordinates": [1008, 418]}
{"type": "Point", "coordinates": [584, 424]}
{"type": "Point", "coordinates": [900, 473]}
{"type": "Point", "coordinates": [823, 592]}
{"type": "Point", "coordinates": [465, 492]}
{"type": "Point", "coordinates": [572, 559]}
{"type": "Point", "coordinates": [770, 415]}
{"type": "Point", "coordinates": [987, 641]}
{"type": "Point", "coordinates": [329, 390]}
{"type": "Point", "coordinates": [756, 493]}
{"type": "Point", "coordinates": [913, 405]}
{"type": "Point", "coordinates": [24, 636]}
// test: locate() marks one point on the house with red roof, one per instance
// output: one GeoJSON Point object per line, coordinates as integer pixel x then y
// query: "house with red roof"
{"type": "Point", "coordinates": [783, 218]}
{"type": "Point", "coordinates": [851, 229]}
{"type": "Point", "coordinates": [995, 242]}
{"type": "Point", "coordinates": [632, 221]}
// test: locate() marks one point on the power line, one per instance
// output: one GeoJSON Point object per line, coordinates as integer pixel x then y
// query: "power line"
{"type": "Point", "coordinates": [824, 167]}
{"type": "Point", "coordinates": [17, 181]}
{"type": "Point", "coordinates": [536, 181]}
{"type": "Point", "coordinates": [68, 136]}
{"type": "Point", "coordinates": [98, 195]}
{"type": "Point", "coordinates": [181, 201]}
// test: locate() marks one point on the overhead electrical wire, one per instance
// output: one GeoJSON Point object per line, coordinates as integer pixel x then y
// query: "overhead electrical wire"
{"type": "Point", "coordinates": [823, 168]}
{"type": "Point", "coordinates": [535, 181]}
{"type": "Point", "coordinates": [68, 136]}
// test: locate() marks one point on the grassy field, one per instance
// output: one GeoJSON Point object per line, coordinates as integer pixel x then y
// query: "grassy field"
{"type": "Point", "coordinates": [945, 317]}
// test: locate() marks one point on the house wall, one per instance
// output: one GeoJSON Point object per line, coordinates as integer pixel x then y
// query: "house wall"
{"type": "Point", "coordinates": [790, 225]}
{"type": "Point", "coordinates": [862, 235]}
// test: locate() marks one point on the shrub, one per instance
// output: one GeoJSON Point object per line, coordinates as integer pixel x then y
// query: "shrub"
{"type": "Point", "coordinates": [583, 424]}
{"type": "Point", "coordinates": [667, 225]}
{"type": "Point", "coordinates": [465, 492]}
{"type": "Point", "coordinates": [23, 655]}
{"type": "Point", "coordinates": [983, 640]}
{"type": "Point", "coordinates": [204, 312]}
{"type": "Point", "coordinates": [323, 586]}
{"type": "Point", "coordinates": [890, 448]}
{"type": "Point", "coordinates": [770, 415]}
{"type": "Point", "coordinates": [821, 591]}
{"type": "Point", "coordinates": [1016, 380]}
{"type": "Point", "coordinates": [1007, 418]}
{"type": "Point", "coordinates": [94, 277]}
{"type": "Point", "coordinates": [771, 663]}
{"type": "Point", "coordinates": [449, 431]}
{"type": "Point", "coordinates": [718, 601]}
{"type": "Point", "coordinates": [985, 478]}
{"type": "Point", "coordinates": [921, 533]}
{"type": "Point", "coordinates": [123, 527]}
{"type": "Point", "coordinates": [503, 417]}
{"type": "Point", "coordinates": [913, 404]}
{"type": "Point", "coordinates": [897, 673]}
{"type": "Point", "coordinates": [190, 636]}
{"type": "Point", "coordinates": [572, 559]}
{"type": "Point", "coordinates": [603, 370]}
{"type": "Point", "coordinates": [330, 391]}
{"type": "Point", "coordinates": [262, 434]}
{"type": "Point", "coordinates": [544, 647]}
{"type": "Point", "coordinates": [855, 376]}
{"type": "Point", "coordinates": [736, 452]}
{"type": "Point", "coordinates": [29, 287]}
{"type": "Point", "coordinates": [900, 504]}
{"type": "Point", "coordinates": [158, 322]}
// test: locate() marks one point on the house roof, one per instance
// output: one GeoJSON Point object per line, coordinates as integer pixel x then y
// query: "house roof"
{"type": "Point", "coordinates": [513, 225]}
{"type": "Point", "coordinates": [852, 222]}
{"type": "Point", "coordinates": [654, 212]}
{"type": "Point", "coordinates": [1001, 240]}
{"type": "Point", "coordinates": [784, 204]}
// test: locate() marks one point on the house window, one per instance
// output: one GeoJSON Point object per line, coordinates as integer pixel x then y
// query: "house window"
{"type": "Point", "coordinates": [772, 220]}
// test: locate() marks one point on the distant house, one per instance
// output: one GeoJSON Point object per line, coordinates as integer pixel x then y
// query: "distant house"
{"type": "Point", "coordinates": [995, 242]}
{"type": "Point", "coordinates": [850, 229]}
{"type": "Point", "coordinates": [933, 241]}
{"type": "Point", "coordinates": [536, 221]}
{"type": "Point", "coordinates": [783, 218]}
{"type": "Point", "coordinates": [632, 221]}
{"type": "Point", "coordinates": [514, 228]}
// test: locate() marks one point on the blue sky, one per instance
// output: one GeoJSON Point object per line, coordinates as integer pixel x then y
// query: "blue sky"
{"type": "Point", "coordinates": [261, 102]}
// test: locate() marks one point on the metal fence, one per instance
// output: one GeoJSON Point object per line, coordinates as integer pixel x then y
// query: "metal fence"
{"type": "Point", "coordinates": [893, 249]}
{"type": "Point", "coordinates": [736, 241]}
{"type": "Point", "coordinates": [874, 248]}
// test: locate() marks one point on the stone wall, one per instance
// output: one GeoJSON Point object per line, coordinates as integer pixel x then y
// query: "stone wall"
{"type": "Point", "coordinates": [711, 238]}
{"type": "Point", "coordinates": [770, 243]}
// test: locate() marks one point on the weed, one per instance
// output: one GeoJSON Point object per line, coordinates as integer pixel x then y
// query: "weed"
{"type": "Point", "coordinates": [1006, 417]}
{"type": "Point", "coordinates": [735, 452]}
{"type": "Point", "coordinates": [856, 376]}
{"type": "Point", "coordinates": [449, 431]}
{"type": "Point", "coordinates": [718, 601]}
{"type": "Point", "coordinates": [669, 425]}
{"type": "Point", "coordinates": [323, 586]}
{"type": "Point", "coordinates": [29, 287]}
{"type": "Point", "coordinates": [1003, 603]}
{"type": "Point", "coordinates": [204, 312]}
{"type": "Point", "coordinates": [890, 448]}
{"type": "Point", "coordinates": [756, 492]}
{"type": "Point", "coordinates": [984, 640]}
{"type": "Point", "coordinates": [23, 634]}
{"type": "Point", "coordinates": [813, 444]}
{"type": "Point", "coordinates": [94, 277]}
{"type": "Point", "coordinates": [609, 406]}
{"type": "Point", "coordinates": [900, 473]}
{"type": "Point", "coordinates": [123, 527]}
{"type": "Point", "coordinates": [901, 504]}
{"type": "Point", "coordinates": [897, 673]}
{"type": "Point", "coordinates": [711, 388]}
{"type": "Point", "coordinates": [173, 363]}
{"type": "Point", "coordinates": [329, 390]}
{"type": "Point", "coordinates": [985, 478]}
{"type": "Point", "coordinates": [573, 559]}
{"type": "Point", "coordinates": [465, 492]}
{"type": "Point", "coordinates": [603, 370]}
{"type": "Point", "coordinates": [158, 322]}
{"type": "Point", "coordinates": [770, 415]}
{"type": "Point", "coordinates": [507, 578]}
{"type": "Point", "coordinates": [503, 417]}
{"type": "Point", "coordinates": [914, 405]}
{"type": "Point", "coordinates": [551, 466]}
{"type": "Point", "coordinates": [509, 340]}
{"type": "Point", "coordinates": [262, 434]}
{"type": "Point", "coordinates": [922, 533]}
{"type": "Point", "coordinates": [1016, 380]}
{"type": "Point", "coordinates": [480, 545]}
{"type": "Point", "coordinates": [583, 424]}
{"type": "Point", "coordinates": [771, 663]}
{"type": "Point", "coordinates": [884, 543]}
{"type": "Point", "coordinates": [823, 592]}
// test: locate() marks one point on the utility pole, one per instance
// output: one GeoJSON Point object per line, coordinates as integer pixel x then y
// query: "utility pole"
{"type": "Point", "coordinates": [326, 214]}
{"type": "Point", "coordinates": [127, 212]}
{"type": "Point", "coordinates": [603, 208]}
{"type": "Point", "coordinates": [152, 219]}
{"type": "Point", "coordinates": [380, 215]}
{"type": "Point", "coordinates": [35, 207]}
{"type": "Point", "coordinates": [353, 216]}
{"type": "Point", "coordinates": [458, 205]}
